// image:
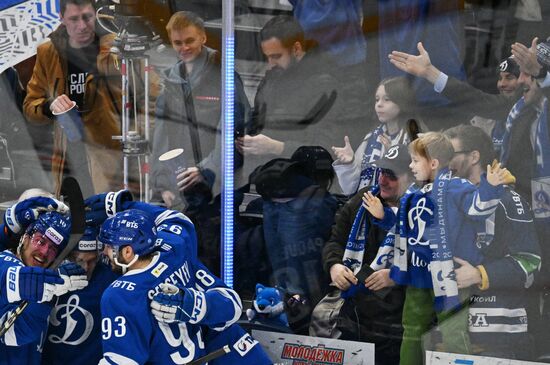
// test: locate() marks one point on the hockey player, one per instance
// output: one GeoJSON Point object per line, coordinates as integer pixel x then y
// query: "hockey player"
{"type": "Point", "coordinates": [498, 320]}
{"type": "Point", "coordinates": [24, 277]}
{"type": "Point", "coordinates": [24, 212]}
{"type": "Point", "coordinates": [74, 332]}
{"type": "Point", "coordinates": [152, 247]}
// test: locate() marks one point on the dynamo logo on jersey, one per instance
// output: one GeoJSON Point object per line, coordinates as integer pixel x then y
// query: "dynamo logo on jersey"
{"type": "Point", "coordinates": [78, 322]}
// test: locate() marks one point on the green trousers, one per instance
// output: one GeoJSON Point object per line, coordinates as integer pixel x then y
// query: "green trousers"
{"type": "Point", "coordinates": [418, 314]}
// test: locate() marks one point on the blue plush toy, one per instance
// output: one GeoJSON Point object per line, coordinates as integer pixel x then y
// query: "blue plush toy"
{"type": "Point", "coordinates": [268, 307]}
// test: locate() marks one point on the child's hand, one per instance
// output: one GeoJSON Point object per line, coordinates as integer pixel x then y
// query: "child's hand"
{"type": "Point", "coordinates": [344, 154]}
{"type": "Point", "coordinates": [373, 205]}
{"type": "Point", "coordinates": [497, 175]}
{"type": "Point", "coordinates": [508, 177]}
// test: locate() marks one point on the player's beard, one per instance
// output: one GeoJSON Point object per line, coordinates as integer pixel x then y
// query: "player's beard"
{"type": "Point", "coordinates": [115, 268]}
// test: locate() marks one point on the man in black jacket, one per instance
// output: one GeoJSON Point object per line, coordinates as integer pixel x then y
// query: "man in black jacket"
{"type": "Point", "coordinates": [375, 313]}
{"type": "Point", "coordinates": [295, 104]}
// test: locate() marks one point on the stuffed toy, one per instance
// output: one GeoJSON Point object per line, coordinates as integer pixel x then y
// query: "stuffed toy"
{"type": "Point", "coordinates": [268, 308]}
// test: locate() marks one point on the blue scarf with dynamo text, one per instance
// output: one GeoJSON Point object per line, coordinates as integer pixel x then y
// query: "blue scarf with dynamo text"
{"type": "Point", "coordinates": [423, 222]}
{"type": "Point", "coordinates": [356, 245]}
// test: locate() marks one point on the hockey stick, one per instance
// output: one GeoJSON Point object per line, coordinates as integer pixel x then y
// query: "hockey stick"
{"type": "Point", "coordinates": [70, 191]}
{"type": "Point", "coordinates": [211, 356]}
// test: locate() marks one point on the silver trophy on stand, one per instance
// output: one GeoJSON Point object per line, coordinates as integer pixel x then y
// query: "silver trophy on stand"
{"type": "Point", "coordinates": [134, 37]}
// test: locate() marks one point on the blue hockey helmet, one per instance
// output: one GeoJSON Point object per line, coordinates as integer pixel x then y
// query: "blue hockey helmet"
{"type": "Point", "coordinates": [55, 226]}
{"type": "Point", "coordinates": [131, 227]}
{"type": "Point", "coordinates": [89, 241]}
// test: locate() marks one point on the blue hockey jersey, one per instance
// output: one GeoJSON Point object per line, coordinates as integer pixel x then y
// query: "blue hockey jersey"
{"type": "Point", "coordinates": [131, 335]}
{"type": "Point", "coordinates": [467, 206]}
{"type": "Point", "coordinates": [29, 354]}
{"type": "Point", "coordinates": [74, 333]}
{"type": "Point", "coordinates": [21, 344]}
{"type": "Point", "coordinates": [498, 316]}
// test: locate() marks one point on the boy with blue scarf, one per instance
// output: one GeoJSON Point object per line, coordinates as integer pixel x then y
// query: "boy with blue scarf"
{"type": "Point", "coordinates": [433, 225]}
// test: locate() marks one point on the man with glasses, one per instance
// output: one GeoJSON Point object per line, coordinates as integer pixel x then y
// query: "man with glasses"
{"type": "Point", "coordinates": [374, 314]}
{"type": "Point", "coordinates": [498, 316]}
{"type": "Point", "coordinates": [24, 275]}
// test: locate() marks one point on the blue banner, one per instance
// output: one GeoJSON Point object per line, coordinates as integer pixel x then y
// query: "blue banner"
{"type": "Point", "coordinates": [24, 25]}
{"type": "Point", "coordinates": [4, 4]}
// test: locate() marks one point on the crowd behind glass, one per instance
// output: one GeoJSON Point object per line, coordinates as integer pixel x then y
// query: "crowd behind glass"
{"type": "Point", "coordinates": [333, 152]}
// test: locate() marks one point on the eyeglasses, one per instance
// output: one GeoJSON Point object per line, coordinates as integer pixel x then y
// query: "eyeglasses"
{"type": "Point", "coordinates": [465, 151]}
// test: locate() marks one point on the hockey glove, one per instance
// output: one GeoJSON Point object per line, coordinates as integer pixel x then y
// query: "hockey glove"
{"type": "Point", "coordinates": [105, 205]}
{"type": "Point", "coordinates": [178, 304]}
{"type": "Point", "coordinates": [20, 215]}
{"type": "Point", "coordinates": [34, 284]}
{"type": "Point", "coordinates": [74, 278]}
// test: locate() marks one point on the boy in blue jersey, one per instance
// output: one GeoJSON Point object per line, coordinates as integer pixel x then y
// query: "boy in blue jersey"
{"type": "Point", "coordinates": [436, 223]}
{"type": "Point", "coordinates": [24, 276]}
{"type": "Point", "coordinates": [156, 249]}
{"type": "Point", "coordinates": [74, 332]}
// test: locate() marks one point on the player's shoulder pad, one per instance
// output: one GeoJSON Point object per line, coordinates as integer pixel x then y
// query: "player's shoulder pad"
{"type": "Point", "coordinates": [116, 299]}
{"type": "Point", "coordinates": [173, 217]}
{"type": "Point", "coordinates": [515, 207]}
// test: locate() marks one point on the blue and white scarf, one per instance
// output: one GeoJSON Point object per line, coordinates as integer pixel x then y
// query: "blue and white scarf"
{"type": "Point", "coordinates": [424, 214]}
{"type": "Point", "coordinates": [357, 243]}
{"type": "Point", "coordinates": [374, 150]}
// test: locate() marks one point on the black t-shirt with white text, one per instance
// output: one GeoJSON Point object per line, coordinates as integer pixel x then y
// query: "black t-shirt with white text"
{"type": "Point", "coordinates": [81, 62]}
